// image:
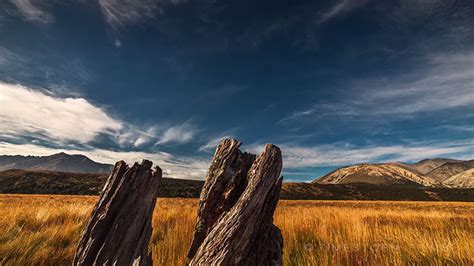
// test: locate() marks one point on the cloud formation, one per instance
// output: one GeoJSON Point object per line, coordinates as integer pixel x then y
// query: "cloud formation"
{"type": "Point", "coordinates": [212, 144]}
{"type": "Point", "coordinates": [177, 134]}
{"type": "Point", "coordinates": [295, 156]}
{"type": "Point", "coordinates": [341, 8]}
{"type": "Point", "coordinates": [116, 12]}
{"type": "Point", "coordinates": [120, 12]}
{"type": "Point", "coordinates": [30, 112]}
{"type": "Point", "coordinates": [443, 82]}
{"type": "Point", "coordinates": [43, 115]}
{"type": "Point", "coordinates": [33, 10]}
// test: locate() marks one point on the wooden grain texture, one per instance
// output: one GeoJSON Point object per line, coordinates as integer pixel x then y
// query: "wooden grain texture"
{"type": "Point", "coordinates": [119, 230]}
{"type": "Point", "coordinates": [235, 218]}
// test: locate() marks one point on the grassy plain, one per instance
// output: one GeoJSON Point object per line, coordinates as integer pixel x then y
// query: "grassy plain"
{"type": "Point", "coordinates": [44, 230]}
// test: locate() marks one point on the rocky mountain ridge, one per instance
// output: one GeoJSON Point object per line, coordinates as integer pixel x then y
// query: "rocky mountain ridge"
{"type": "Point", "coordinates": [438, 172]}
{"type": "Point", "coordinates": [57, 162]}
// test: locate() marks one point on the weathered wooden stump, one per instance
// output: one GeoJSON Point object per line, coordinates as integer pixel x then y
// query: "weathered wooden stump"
{"type": "Point", "coordinates": [119, 230]}
{"type": "Point", "coordinates": [235, 217]}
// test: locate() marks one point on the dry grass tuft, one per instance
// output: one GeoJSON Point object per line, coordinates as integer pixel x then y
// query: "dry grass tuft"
{"type": "Point", "coordinates": [43, 229]}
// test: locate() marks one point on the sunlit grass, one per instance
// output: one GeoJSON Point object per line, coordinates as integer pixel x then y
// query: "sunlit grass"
{"type": "Point", "coordinates": [43, 229]}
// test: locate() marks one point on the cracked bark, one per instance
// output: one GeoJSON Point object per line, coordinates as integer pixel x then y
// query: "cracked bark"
{"type": "Point", "coordinates": [235, 217]}
{"type": "Point", "coordinates": [119, 230]}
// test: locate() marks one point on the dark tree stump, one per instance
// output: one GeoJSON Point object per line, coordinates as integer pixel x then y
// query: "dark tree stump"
{"type": "Point", "coordinates": [119, 230]}
{"type": "Point", "coordinates": [226, 180]}
{"type": "Point", "coordinates": [235, 218]}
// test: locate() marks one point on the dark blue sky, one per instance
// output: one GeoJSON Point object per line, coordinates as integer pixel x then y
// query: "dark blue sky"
{"type": "Point", "coordinates": [332, 83]}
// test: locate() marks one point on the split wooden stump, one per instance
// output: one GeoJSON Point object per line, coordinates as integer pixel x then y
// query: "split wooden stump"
{"type": "Point", "coordinates": [120, 229]}
{"type": "Point", "coordinates": [235, 217]}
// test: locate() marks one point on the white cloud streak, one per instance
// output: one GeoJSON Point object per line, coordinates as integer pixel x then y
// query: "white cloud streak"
{"type": "Point", "coordinates": [119, 12]}
{"type": "Point", "coordinates": [295, 157]}
{"type": "Point", "coordinates": [212, 144]}
{"type": "Point", "coordinates": [33, 10]}
{"type": "Point", "coordinates": [341, 8]}
{"type": "Point", "coordinates": [177, 134]}
{"type": "Point", "coordinates": [448, 83]}
{"type": "Point", "coordinates": [123, 12]}
{"type": "Point", "coordinates": [116, 12]}
{"type": "Point", "coordinates": [24, 111]}
{"type": "Point", "coordinates": [41, 114]}
{"type": "Point", "coordinates": [8, 58]}
{"type": "Point", "coordinates": [444, 82]}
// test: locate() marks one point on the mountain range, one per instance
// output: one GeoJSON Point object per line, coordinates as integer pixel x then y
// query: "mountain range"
{"type": "Point", "coordinates": [438, 172]}
{"type": "Point", "coordinates": [61, 162]}
{"type": "Point", "coordinates": [17, 181]}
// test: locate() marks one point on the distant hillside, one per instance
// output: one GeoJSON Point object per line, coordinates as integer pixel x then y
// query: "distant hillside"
{"type": "Point", "coordinates": [46, 182]}
{"type": "Point", "coordinates": [450, 169]}
{"type": "Point", "coordinates": [364, 191]}
{"type": "Point", "coordinates": [427, 173]}
{"type": "Point", "coordinates": [462, 180]}
{"type": "Point", "coordinates": [428, 165]}
{"type": "Point", "coordinates": [377, 174]}
{"type": "Point", "coordinates": [58, 162]}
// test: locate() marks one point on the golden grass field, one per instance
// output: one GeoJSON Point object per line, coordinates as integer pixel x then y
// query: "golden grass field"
{"type": "Point", "coordinates": [44, 229]}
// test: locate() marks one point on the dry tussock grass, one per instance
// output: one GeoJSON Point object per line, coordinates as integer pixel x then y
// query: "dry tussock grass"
{"type": "Point", "coordinates": [43, 229]}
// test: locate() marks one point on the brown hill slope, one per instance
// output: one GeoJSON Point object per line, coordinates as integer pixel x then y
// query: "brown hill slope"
{"type": "Point", "coordinates": [428, 165]}
{"type": "Point", "coordinates": [449, 169]}
{"type": "Point", "coordinates": [462, 180]}
{"type": "Point", "coordinates": [377, 174]}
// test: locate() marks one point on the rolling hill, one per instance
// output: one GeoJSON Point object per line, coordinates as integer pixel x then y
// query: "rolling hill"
{"type": "Point", "coordinates": [61, 162]}
{"type": "Point", "coordinates": [462, 180]}
{"type": "Point", "coordinates": [428, 179]}
{"type": "Point", "coordinates": [450, 169]}
{"type": "Point", "coordinates": [377, 174]}
{"type": "Point", "coordinates": [427, 165]}
{"type": "Point", "coordinates": [427, 173]}
{"type": "Point", "coordinates": [47, 182]}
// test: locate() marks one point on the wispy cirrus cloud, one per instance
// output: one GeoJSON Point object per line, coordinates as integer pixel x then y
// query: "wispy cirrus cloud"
{"type": "Point", "coordinates": [123, 12]}
{"type": "Point", "coordinates": [116, 12]}
{"type": "Point", "coordinates": [33, 10]}
{"type": "Point", "coordinates": [120, 12]}
{"type": "Point", "coordinates": [177, 134]}
{"type": "Point", "coordinates": [9, 58]}
{"type": "Point", "coordinates": [212, 144]}
{"type": "Point", "coordinates": [295, 156]}
{"type": "Point", "coordinates": [443, 82]}
{"type": "Point", "coordinates": [343, 7]}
